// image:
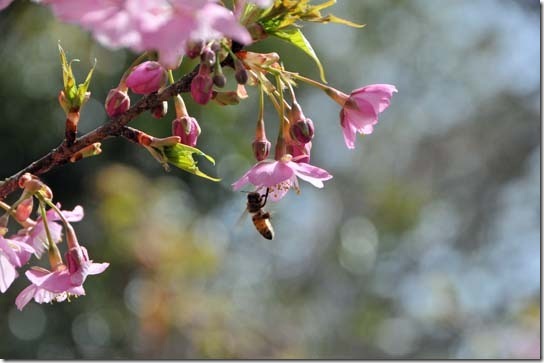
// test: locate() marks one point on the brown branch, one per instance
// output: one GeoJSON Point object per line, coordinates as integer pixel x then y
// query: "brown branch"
{"type": "Point", "coordinates": [62, 154]}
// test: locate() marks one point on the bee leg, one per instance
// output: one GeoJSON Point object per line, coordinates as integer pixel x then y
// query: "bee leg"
{"type": "Point", "coordinates": [265, 197]}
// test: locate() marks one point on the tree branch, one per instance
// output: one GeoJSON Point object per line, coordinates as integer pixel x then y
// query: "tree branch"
{"type": "Point", "coordinates": [62, 153]}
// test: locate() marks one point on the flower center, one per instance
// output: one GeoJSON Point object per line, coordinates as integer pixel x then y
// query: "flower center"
{"type": "Point", "coordinates": [286, 158]}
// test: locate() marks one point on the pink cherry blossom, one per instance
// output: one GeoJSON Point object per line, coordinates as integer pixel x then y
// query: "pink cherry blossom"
{"type": "Point", "coordinates": [48, 286]}
{"type": "Point", "coordinates": [60, 284]}
{"type": "Point", "coordinates": [166, 26]}
{"type": "Point", "coordinates": [80, 266]}
{"type": "Point", "coordinates": [281, 175]}
{"type": "Point", "coordinates": [36, 236]}
{"type": "Point", "coordinates": [13, 254]}
{"type": "Point", "coordinates": [360, 110]}
{"type": "Point", "coordinates": [301, 152]}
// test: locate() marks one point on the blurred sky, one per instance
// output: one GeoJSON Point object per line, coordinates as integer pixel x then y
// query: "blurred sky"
{"type": "Point", "coordinates": [424, 245]}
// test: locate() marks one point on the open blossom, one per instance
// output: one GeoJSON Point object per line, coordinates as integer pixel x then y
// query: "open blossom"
{"type": "Point", "coordinates": [361, 108]}
{"type": "Point", "coordinates": [281, 175]}
{"type": "Point", "coordinates": [36, 236]}
{"type": "Point", "coordinates": [13, 254]}
{"type": "Point", "coordinates": [63, 282]}
{"type": "Point", "coordinates": [166, 26]}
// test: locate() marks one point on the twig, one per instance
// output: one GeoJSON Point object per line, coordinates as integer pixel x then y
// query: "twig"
{"type": "Point", "coordinates": [62, 154]}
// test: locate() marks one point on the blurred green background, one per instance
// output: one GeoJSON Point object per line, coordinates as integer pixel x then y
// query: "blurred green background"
{"type": "Point", "coordinates": [424, 245]}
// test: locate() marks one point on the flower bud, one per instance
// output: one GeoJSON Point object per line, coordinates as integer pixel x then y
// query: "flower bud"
{"type": "Point", "coordinates": [77, 260]}
{"type": "Point", "coordinates": [88, 151]}
{"type": "Point", "coordinates": [261, 149]}
{"type": "Point", "coordinates": [24, 209]}
{"type": "Point", "coordinates": [194, 48]}
{"type": "Point", "coordinates": [201, 86]}
{"type": "Point", "coordinates": [160, 111]}
{"type": "Point", "coordinates": [219, 80]}
{"type": "Point", "coordinates": [240, 72]}
{"type": "Point", "coordinates": [147, 77]}
{"type": "Point", "coordinates": [207, 57]}
{"type": "Point", "coordinates": [302, 128]}
{"type": "Point", "coordinates": [187, 128]}
{"type": "Point", "coordinates": [117, 102]}
{"type": "Point", "coordinates": [302, 131]}
{"type": "Point", "coordinates": [300, 152]}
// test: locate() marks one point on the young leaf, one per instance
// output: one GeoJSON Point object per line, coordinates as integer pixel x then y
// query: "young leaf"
{"type": "Point", "coordinates": [296, 38]}
{"type": "Point", "coordinates": [181, 156]}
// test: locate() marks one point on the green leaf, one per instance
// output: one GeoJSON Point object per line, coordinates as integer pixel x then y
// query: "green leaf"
{"type": "Point", "coordinates": [295, 37]}
{"type": "Point", "coordinates": [181, 156]}
{"type": "Point", "coordinates": [74, 96]}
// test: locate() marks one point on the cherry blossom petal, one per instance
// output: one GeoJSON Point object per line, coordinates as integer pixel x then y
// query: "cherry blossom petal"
{"type": "Point", "coordinates": [349, 131]}
{"type": "Point", "coordinates": [96, 268]}
{"type": "Point", "coordinates": [267, 174]}
{"type": "Point", "coordinates": [25, 296]}
{"type": "Point", "coordinates": [311, 174]}
{"type": "Point", "coordinates": [378, 95]}
{"type": "Point", "coordinates": [8, 273]}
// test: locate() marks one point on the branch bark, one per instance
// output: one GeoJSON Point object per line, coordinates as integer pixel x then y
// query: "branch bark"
{"type": "Point", "coordinates": [62, 153]}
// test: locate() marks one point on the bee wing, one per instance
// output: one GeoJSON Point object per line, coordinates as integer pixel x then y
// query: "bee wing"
{"type": "Point", "coordinates": [241, 218]}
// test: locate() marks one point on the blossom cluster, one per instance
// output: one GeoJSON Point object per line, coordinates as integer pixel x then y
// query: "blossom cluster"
{"type": "Point", "coordinates": [40, 237]}
{"type": "Point", "coordinates": [165, 33]}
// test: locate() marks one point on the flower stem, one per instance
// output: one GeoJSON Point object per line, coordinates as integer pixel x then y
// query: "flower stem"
{"type": "Point", "coordinates": [54, 254]}
{"type": "Point", "coordinates": [281, 147]}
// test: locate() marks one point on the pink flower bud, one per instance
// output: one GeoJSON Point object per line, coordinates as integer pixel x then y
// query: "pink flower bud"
{"type": "Point", "coordinates": [240, 72]}
{"type": "Point", "coordinates": [147, 78]}
{"type": "Point", "coordinates": [261, 149]}
{"type": "Point", "coordinates": [201, 86]}
{"type": "Point", "coordinates": [160, 111]}
{"type": "Point", "coordinates": [193, 48]}
{"type": "Point", "coordinates": [24, 209]}
{"type": "Point", "coordinates": [117, 102]}
{"type": "Point", "coordinates": [207, 57]}
{"type": "Point", "coordinates": [300, 152]}
{"type": "Point", "coordinates": [302, 130]}
{"type": "Point", "coordinates": [187, 128]}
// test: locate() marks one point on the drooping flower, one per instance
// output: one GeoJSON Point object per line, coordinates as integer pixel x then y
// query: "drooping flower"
{"type": "Point", "coordinates": [361, 108]}
{"type": "Point", "coordinates": [13, 254]}
{"type": "Point", "coordinates": [48, 286]}
{"type": "Point", "coordinates": [79, 265]}
{"type": "Point", "coordinates": [36, 236]}
{"type": "Point", "coordinates": [63, 282]}
{"type": "Point", "coordinates": [147, 77]}
{"type": "Point", "coordinates": [300, 152]}
{"type": "Point", "coordinates": [281, 175]}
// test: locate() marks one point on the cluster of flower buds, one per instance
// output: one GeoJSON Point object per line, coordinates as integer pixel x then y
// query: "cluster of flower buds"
{"type": "Point", "coordinates": [66, 276]}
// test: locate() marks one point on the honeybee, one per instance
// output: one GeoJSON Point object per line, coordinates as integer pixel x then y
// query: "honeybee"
{"type": "Point", "coordinates": [260, 218]}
